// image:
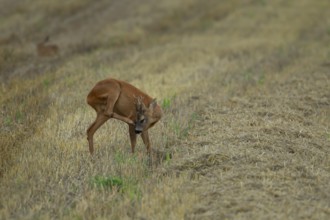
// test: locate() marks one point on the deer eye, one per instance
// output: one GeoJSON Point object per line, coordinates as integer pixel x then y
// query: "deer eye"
{"type": "Point", "coordinates": [142, 120]}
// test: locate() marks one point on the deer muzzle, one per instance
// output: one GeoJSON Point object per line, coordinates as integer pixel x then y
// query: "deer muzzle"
{"type": "Point", "coordinates": [138, 129]}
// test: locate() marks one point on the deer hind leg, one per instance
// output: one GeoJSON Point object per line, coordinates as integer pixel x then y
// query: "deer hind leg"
{"type": "Point", "coordinates": [132, 136]}
{"type": "Point", "coordinates": [100, 119]}
{"type": "Point", "coordinates": [111, 101]}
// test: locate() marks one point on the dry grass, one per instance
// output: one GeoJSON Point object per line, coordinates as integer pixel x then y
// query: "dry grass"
{"type": "Point", "coordinates": [245, 91]}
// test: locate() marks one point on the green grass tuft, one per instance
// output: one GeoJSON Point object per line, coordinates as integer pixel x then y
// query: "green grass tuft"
{"type": "Point", "coordinates": [107, 182]}
{"type": "Point", "coordinates": [167, 103]}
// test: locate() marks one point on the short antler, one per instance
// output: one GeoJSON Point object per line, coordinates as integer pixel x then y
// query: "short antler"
{"type": "Point", "coordinates": [139, 104]}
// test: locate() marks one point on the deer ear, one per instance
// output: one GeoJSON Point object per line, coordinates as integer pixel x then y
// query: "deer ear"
{"type": "Point", "coordinates": [153, 104]}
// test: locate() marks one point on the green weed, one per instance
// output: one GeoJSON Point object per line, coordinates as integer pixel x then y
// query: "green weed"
{"type": "Point", "coordinates": [8, 121]}
{"type": "Point", "coordinates": [46, 82]}
{"type": "Point", "coordinates": [261, 79]}
{"type": "Point", "coordinates": [194, 116]}
{"type": "Point", "coordinates": [168, 102]}
{"type": "Point", "coordinates": [18, 116]}
{"type": "Point", "coordinates": [131, 188]}
{"type": "Point", "coordinates": [121, 158]}
{"type": "Point", "coordinates": [107, 182]}
{"type": "Point", "coordinates": [127, 186]}
{"type": "Point", "coordinates": [181, 130]}
{"type": "Point", "coordinates": [262, 2]}
{"type": "Point", "coordinates": [258, 78]}
{"type": "Point", "coordinates": [247, 76]}
{"type": "Point", "coordinates": [328, 31]}
{"type": "Point", "coordinates": [168, 157]}
{"type": "Point", "coordinates": [176, 127]}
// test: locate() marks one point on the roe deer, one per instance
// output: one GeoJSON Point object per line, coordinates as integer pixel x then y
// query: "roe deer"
{"type": "Point", "coordinates": [47, 50]}
{"type": "Point", "coordinates": [117, 99]}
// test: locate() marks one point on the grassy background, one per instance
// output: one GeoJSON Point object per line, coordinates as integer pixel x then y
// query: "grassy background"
{"type": "Point", "coordinates": [245, 90]}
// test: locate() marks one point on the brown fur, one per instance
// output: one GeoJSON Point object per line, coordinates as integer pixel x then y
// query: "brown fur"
{"type": "Point", "coordinates": [47, 50]}
{"type": "Point", "coordinates": [117, 99]}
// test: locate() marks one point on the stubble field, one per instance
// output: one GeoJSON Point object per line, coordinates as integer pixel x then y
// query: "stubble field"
{"type": "Point", "coordinates": [245, 90]}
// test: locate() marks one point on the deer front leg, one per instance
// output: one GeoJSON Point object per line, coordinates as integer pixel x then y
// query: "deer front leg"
{"type": "Point", "coordinates": [122, 118]}
{"type": "Point", "coordinates": [146, 141]}
{"type": "Point", "coordinates": [132, 137]}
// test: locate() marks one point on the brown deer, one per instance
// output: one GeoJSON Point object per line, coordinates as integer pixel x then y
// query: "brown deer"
{"type": "Point", "coordinates": [47, 50]}
{"type": "Point", "coordinates": [120, 100]}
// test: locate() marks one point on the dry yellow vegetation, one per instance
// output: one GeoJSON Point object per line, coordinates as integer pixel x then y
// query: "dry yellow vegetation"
{"type": "Point", "coordinates": [245, 88]}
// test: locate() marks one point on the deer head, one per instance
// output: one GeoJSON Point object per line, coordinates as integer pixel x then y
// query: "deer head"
{"type": "Point", "coordinates": [146, 117]}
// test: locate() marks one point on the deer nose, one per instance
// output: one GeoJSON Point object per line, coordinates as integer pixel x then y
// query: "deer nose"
{"type": "Point", "coordinates": [138, 128]}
